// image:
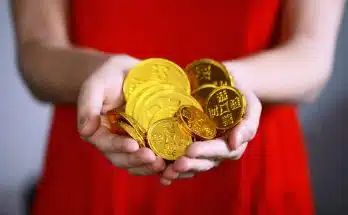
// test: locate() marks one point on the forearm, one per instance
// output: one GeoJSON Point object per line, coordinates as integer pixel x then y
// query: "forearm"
{"type": "Point", "coordinates": [55, 74]}
{"type": "Point", "coordinates": [294, 72]}
{"type": "Point", "coordinates": [299, 67]}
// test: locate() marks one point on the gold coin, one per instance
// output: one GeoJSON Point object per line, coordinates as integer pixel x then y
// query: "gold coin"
{"type": "Point", "coordinates": [166, 99]}
{"type": "Point", "coordinates": [131, 131]}
{"type": "Point", "coordinates": [145, 94]}
{"type": "Point", "coordinates": [197, 122]}
{"type": "Point", "coordinates": [155, 69]}
{"type": "Point", "coordinates": [113, 117]}
{"type": "Point", "coordinates": [138, 93]}
{"type": "Point", "coordinates": [202, 93]}
{"type": "Point", "coordinates": [167, 140]}
{"type": "Point", "coordinates": [208, 71]}
{"type": "Point", "coordinates": [226, 106]}
{"type": "Point", "coordinates": [165, 112]}
{"type": "Point", "coordinates": [131, 121]}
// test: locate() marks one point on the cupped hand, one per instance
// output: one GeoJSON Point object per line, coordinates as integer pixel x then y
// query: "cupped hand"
{"type": "Point", "coordinates": [101, 92]}
{"type": "Point", "coordinates": [204, 155]}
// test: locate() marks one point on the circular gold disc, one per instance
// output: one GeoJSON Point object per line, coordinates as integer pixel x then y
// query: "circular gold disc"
{"type": "Point", "coordinates": [132, 133]}
{"type": "Point", "coordinates": [167, 140]}
{"type": "Point", "coordinates": [169, 100]}
{"type": "Point", "coordinates": [202, 93]}
{"type": "Point", "coordinates": [208, 71]}
{"type": "Point", "coordinates": [138, 109]}
{"type": "Point", "coordinates": [197, 122]}
{"type": "Point", "coordinates": [112, 118]}
{"type": "Point", "coordinates": [131, 121]}
{"type": "Point", "coordinates": [138, 93]}
{"type": "Point", "coordinates": [155, 69]}
{"type": "Point", "coordinates": [226, 106]}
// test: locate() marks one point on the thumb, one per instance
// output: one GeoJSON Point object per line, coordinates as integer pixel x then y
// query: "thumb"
{"type": "Point", "coordinates": [89, 106]}
{"type": "Point", "coordinates": [247, 128]}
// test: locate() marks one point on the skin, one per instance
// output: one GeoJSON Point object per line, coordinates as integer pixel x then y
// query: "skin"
{"type": "Point", "coordinates": [299, 66]}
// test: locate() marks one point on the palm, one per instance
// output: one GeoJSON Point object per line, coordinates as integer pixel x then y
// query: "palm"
{"type": "Point", "coordinates": [101, 92]}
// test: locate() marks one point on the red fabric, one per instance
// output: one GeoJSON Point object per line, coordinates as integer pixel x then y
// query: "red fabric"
{"type": "Point", "coordinates": [271, 177]}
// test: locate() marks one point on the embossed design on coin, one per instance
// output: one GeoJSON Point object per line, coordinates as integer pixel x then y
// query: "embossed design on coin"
{"type": "Point", "coordinates": [167, 140]}
{"type": "Point", "coordinates": [166, 99]}
{"type": "Point", "coordinates": [155, 69]}
{"type": "Point", "coordinates": [197, 122]}
{"type": "Point", "coordinates": [226, 106]}
{"type": "Point", "coordinates": [207, 71]}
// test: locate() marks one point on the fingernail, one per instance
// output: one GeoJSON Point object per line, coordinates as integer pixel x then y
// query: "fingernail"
{"type": "Point", "coordinates": [165, 182]}
{"type": "Point", "coordinates": [82, 122]}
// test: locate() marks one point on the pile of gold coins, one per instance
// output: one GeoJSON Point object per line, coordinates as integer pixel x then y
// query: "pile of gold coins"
{"type": "Point", "coordinates": [168, 107]}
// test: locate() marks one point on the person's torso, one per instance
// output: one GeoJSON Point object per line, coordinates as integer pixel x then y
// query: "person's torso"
{"type": "Point", "coordinates": [181, 31]}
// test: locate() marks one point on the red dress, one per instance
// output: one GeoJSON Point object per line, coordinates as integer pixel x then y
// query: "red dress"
{"type": "Point", "coordinates": [272, 176]}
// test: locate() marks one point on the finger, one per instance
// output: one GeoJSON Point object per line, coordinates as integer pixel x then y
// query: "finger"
{"type": "Point", "coordinates": [247, 128]}
{"type": "Point", "coordinates": [186, 164]}
{"type": "Point", "coordinates": [140, 171]}
{"type": "Point", "coordinates": [170, 174]}
{"type": "Point", "coordinates": [89, 106]}
{"type": "Point", "coordinates": [111, 143]}
{"type": "Point", "coordinates": [165, 181]}
{"type": "Point", "coordinates": [128, 62]}
{"type": "Point", "coordinates": [214, 149]}
{"type": "Point", "coordinates": [157, 166]}
{"type": "Point", "coordinates": [239, 152]}
{"type": "Point", "coordinates": [186, 175]}
{"type": "Point", "coordinates": [123, 160]}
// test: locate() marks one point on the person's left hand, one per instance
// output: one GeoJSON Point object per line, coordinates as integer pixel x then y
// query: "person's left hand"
{"type": "Point", "coordinates": [204, 155]}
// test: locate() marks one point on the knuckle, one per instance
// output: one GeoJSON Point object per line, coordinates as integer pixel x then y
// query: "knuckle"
{"type": "Point", "coordinates": [116, 162]}
{"type": "Point", "coordinates": [156, 167]}
{"type": "Point", "coordinates": [133, 159]}
{"type": "Point", "coordinates": [120, 144]}
{"type": "Point", "coordinates": [108, 144]}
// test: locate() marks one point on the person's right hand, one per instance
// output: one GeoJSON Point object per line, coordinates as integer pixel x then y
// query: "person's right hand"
{"type": "Point", "coordinates": [101, 92]}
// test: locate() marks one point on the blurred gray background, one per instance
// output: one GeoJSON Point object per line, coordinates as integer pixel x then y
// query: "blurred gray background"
{"type": "Point", "coordinates": [25, 123]}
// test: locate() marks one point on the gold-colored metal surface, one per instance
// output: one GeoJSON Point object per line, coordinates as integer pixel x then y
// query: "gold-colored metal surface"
{"type": "Point", "coordinates": [169, 100]}
{"type": "Point", "coordinates": [208, 71]}
{"type": "Point", "coordinates": [113, 117]}
{"type": "Point", "coordinates": [139, 107]}
{"type": "Point", "coordinates": [132, 132]}
{"type": "Point", "coordinates": [139, 93]}
{"type": "Point", "coordinates": [155, 69]}
{"type": "Point", "coordinates": [226, 106]}
{"type": "Point", "coordinates": [197, 122]}
{"type": "Point", "coordinates": [167, 139]}
{"type": "Point", "coordinates": [132, 122]}
{"type": "Point", "coordinates": [201, 93]}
